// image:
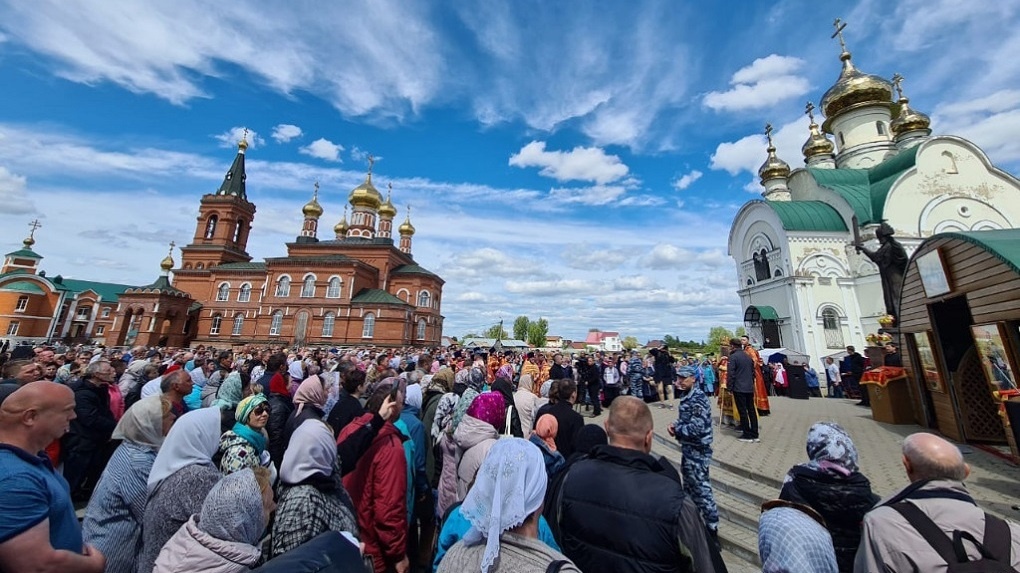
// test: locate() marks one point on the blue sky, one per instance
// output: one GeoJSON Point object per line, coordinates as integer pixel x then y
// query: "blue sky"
{"type": "Point", "coordinates": [580, 161]}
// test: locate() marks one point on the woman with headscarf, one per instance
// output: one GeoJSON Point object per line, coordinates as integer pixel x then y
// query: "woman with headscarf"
{"type": "Point", "coordinates": [280, 407]}
{"type": "Point", "coordinates": [113, 518]}
{"type": "Point", "coordinates": [561, 405]}
{"type": "Point", "coordinates": [504, 528]}
{"type": "Point", "coordinates": [544, 437]}
{"type": "Point", "coordinates": [223, 537]}
{"type": "Point", "coordinates": [309, 404]}
{"type": "Point", "coordinates": [311, 493]}
{"type": "Point", "coordinates": [447, 454]}
{"type": "Point", "coordinates": [231, 392]}
{"type": "Point", "coordinates": [589, 436]}
{"type": "Point", "coordinates": [244, 445]}
{"type": "Point", "coordinates": [506, 389]}
{"type": "Point", "coordinates": [526, 403]}
{"type": "Point", "coordinates": [181, 477]}
{"type": "Point", "coordinates": [475, 381]}
{"type": "Point", "coordinates": [440, 386]}
{"type": "Point", "coordinates": [832, 484]}
{"type": "Point", "coordinates": [481, 427]}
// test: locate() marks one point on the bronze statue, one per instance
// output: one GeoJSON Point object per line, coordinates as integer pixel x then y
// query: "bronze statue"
{"type": "Point", "coordinates": [891, 259]}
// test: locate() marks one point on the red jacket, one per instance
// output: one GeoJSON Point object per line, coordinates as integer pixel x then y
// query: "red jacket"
{"type": "Point", "coordinates": [378, 487]}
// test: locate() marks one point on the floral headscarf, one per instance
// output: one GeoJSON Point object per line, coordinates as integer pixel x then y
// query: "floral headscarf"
{"type": "Point", "coordinates": [831, 449]}
{"type": "Point", "coordinates": [489, 407]}
{"type": "Point", "coordinates": [444, 414]}
{"type": "Point", "coordinates": [505, 371]}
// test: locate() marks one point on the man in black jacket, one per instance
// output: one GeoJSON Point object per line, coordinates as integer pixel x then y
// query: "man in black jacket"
{"type": "Point", "coordinates": [851, 372]}
{"type": "Point", "coordinates": [85, 446]}
{"type": "Point", "coordinates": [622, 510]}
{"type": "Point", "coordinates": [740, 381]}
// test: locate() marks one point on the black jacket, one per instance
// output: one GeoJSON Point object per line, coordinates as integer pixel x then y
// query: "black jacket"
{"type": "Point", "coordinates": [345, 411]}
{"type": "Point", "coordinates": [309, 412]}
{"type": "Point", "coordinates": [328, 552]}
{"type": "Point", "coordinates": [841, 501]}
{"type": "Point", "coordinates": [623, 511]}
{"type": "Point", "coordinates": [740, 372]}
{"type": "Point", "coordinates": [94, 422]}
{"type": "Point", "coordinates": [280, 409]}
{"type": "Point", "coordinates": [569, 422]}
{"type": "Point", "coordinates": [588, 375]}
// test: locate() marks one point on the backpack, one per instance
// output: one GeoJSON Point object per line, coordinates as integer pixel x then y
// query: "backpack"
{"type": "Point", "coordinates": [994, 545]}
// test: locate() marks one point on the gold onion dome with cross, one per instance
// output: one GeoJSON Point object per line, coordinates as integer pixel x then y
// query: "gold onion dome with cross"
{"type": "Point", "coordinates": [774, 167]}
{"type": "Point", "coordinates": [853, 88]}
{"type": "Point", "coordinates": [908, 118]}
{"type": "Point", "coordinates": [366, 195]}
{"type": "Point", "coordinates": [388, 211]}
{"type": "Point", "coordinates": [312, 208]}
{"type": "Point", "coordinates": [816, 144]}
{"type": "Point", "coordinates": [406, 228]}
{"type": "Point", "coordinates": [168, 261]}
{"type": "Point", "coordinates": [341, 227]}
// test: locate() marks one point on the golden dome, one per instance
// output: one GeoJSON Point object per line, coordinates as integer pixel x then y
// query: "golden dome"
{"type": "Point", "coordinates": [774, 167]}
{"type": "Point", "coordinates": [406, 228]}
{"type": "Point", "coordinates": [387, 210]}
{"type": "Point", "coordinates": [342, 226]}
{"type": "Point", "coordinates": [908, 118]}
{"type": "Point", "coordinates": [312, 208]}
{"type": "Point", "coordinates": [168, 261]}
{"type": "Point", "coordinates": [366, 195]}
{"type": "Point", "coordinates": [243, 144]}
{"type": "Point", "coordinates": [817, 143]}
{"type": "Point", "coordinates": [854, 88]}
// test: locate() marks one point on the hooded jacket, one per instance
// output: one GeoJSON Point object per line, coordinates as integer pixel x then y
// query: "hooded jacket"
{"type": "Point", "coordinates": [526, 403]}
{"type": "Point", "coordinates": [378, 488]}
{"type": "Point", "coordinates": [474, 438]}
{"type": "Point", "coordinates": [192, 549]}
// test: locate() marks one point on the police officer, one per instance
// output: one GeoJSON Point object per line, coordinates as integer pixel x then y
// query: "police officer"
{"type": "Point", "coordinates": [693, 429]}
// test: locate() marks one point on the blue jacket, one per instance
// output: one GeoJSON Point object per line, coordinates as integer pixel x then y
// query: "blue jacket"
{"type": "Point", "coordinates": [693, 426]}
{"type": "Point", "coordinates": [416, 431]}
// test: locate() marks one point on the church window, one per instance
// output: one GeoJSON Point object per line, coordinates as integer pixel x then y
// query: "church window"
{"type": "Point", "coordinates": [12, 328]}
{"type": "Point", "coordinates": [217, 321]}
{"type": "Point", "coordinates": [880, 127]}
{"type": "Point", "coordinates": [778, 273]}
{"type": "Point", "coordinates": [950, 167]}
{"type": "Point", "coordinates": [200, 266]}
{"type": "Point", "coordinates": [333, 290]}
{"type": "Point", "coordinates": [106, 312]}
{"type": "Point", "coordinates": [244, 294]}
{"type": "Point", "coordinates": [308, 286]}
{"type": "Point", "coordinates": [327, 324]}
{"type": "Point", "coordinates": [100, 330]}
{"type": "Point", "coordinates": [368, 330]}
{"type": "Point", "coordinates": [210, 226]}
{"type": "Point", "coordinates": [238, 230]}
{"type": "Point", "coordinates": [223, 292]}
{"type": "Point", "coordinates": [283, 287]}
{"type": "Point", "coordinates": [424, 298]}
{"type": "Point", "coordinates": [842, 140]}
{"type": "Point", "coordinates": [831, 327]}
{"type": "Point", "coordinates": [750, 281]}
{"type": "Point", "coordinates": [238, 325]}
{"type": "Point", "coordinates": [421, 329]}
{"type": "Point", "coordinates": [276, 324]}
{"type": "Point", "coordinates": [22, 304]}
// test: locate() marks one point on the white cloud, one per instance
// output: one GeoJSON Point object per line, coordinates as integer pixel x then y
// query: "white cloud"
{"type": "Point", "coordinates": [12, 193]}
{"type": "Point", "coordinates": [551, 287]}
{"type": "Point", "coordinates": [285, 132]}
{"type": "Point", "coordinates": [230, 138]}
{"type": "Point", "coordinates": [585, 256]}
{"type": "Point", "coordinates": [764, 83]}
{"type": "Point", "coordinates": [686, 180]}
{"type": "Point", "coordinates": [324, 149]}
{"type": "Point", "coordinates": [639, 282]}
{"type": "Point", "coordinates": [579, 164]}
{"type": "Point", "coordinates": [667, 256]}
{"type": "Point", "coordinates": [748, 153]}
{"type": "Point", "coordinates": [992, 122]}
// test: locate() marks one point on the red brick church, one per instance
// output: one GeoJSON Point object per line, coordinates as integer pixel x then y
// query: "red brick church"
{"type": "Point", "coordinates": [357, 287]}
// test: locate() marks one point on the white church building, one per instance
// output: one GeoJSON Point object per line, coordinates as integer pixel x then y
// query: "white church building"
{"type": "Point", "coordinates": [802, 284]}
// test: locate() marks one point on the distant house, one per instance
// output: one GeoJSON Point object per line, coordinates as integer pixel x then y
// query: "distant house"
{"type": "Point", "coordinates": [487, 343]}
{"type": "Point", "coordinates": [577, 346]}
{"type": "Point", "coordinates": [554, 342]}
{"type": "Point", "coordinates": [604, 341]}
{"type": "Point", "coordinates": [654, 344]}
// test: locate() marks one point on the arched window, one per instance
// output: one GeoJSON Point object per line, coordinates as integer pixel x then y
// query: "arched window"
{"type": "Point", "coordinates": [199, 266]}
{"type": "Point", "coordinates": [22, 303]}
{"type": "Point", "coordinates": [217, 320]}
{"type": "Point", "coordinates": [244, 295]}
{"type": "Point", "coordinates": [333, 290]}
{"type": "Point", "coordinates": [832, 329]}
{"type": "Point", "coordinates": [327, 324]}
{"type": "Point", "coordinates": [283, 287]}
{"type": "Point", "coordinates": [880, 127]}
{"type": "Point", "coordinates": [238, 325]}
{"type": "Point", "coordinates": [106, 312]}
{"type": "Point", "coordinates": [223, 292]}
{"type": "Point", "coordinates": [308, 286]}
{"type": "Point", "coordinates": [368, 331]}
{"type": "Point", "coordinates": [238, 230]}
{"type": "Point", "coordinates": [421, 329]}
{"type": "Point", "coordinates": [277, 324]}
{"type": "Point", "coordinates": [210, 226]}
{"type": "Point", "coordinates": [424, 298]}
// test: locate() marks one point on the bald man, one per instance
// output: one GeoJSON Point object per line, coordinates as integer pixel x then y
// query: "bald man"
{"type": "Point", "coordinates": [621, 503]}
{"type": "Point", "coordinates": [38, 527]}
{"type": "Point", "coordinates": [899, 534]}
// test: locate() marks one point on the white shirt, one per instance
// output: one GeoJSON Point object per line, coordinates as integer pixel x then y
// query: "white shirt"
{"type": "Point", "coordinates": [833, 370]}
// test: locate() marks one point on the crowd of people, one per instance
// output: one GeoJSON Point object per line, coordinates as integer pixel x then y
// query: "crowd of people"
{"type": "Point", "coordinates": [415, 460]}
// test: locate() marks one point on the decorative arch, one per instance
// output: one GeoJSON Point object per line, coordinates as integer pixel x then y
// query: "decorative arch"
{"type": "Point", "coordinates": [368, 328]}
{"type": "Point", "coordinates": [223, 292]}
{"type": "Point", "coordinates": [244, 293]}
{"type": "Point", "coordinates": [308, 286]}
{"type": "Point", "coordinates": [334, 287]}
{"type": "Point", "coordinates": [406, 296]}
{"type": "Point", "coordinates": [421, 329]}
{"type": "Point", "coordinates": [238, 326]}
{"type": "Point", "coordinates": [199, 266]}
{"type": "Point", "coordinates": [424, 298]}
{"type": "Point", "coordinates": [210, 226]}
{"type": "Point", "coordinates": [823, 265]}
{"type": "Point", "coordinates": [283, 286]}
{"type": "Point", "coordinates": [832, 318]}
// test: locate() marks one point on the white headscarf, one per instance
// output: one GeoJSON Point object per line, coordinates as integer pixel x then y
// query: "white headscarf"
{"type": "Point", "coordinates": [509, 487]}
{"type": "Point", "coordinates": [142, 424]}
{"type": "Point", "coordinates": [233, 509]}
{"type": "Point", "coordinates": [413, 396]}
{"type": "Point", "coordinates": [312, 450]}
{"type": "Point", "coordinates": [194, 439]}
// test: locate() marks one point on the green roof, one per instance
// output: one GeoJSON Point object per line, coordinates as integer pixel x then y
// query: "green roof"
{"type": "Point", "coordinates": [808, 216]}
{"type": "Point", "coordinates": [163, 285]}
{"type": "Point", "coordinates": [759, 313]}
{"type": "Point", "coordinates": [1003, 243]}
{"type": "Point", "coordinates": [23, 286]}
{"type": "Point", "coordinates": [108, 291]}
{"type": "Point", "coordinates": [866, 189]}
{"type": "Point", "coordinates": [376, 296]}
{"type": "Point", "coordinates": [24, 254]}
{"type": "Point", "coordinates": [413, 269]}
{"type": "Point", "coordinates": [234, 181]}
{"type": "Point", "coordinates": [241, 267]}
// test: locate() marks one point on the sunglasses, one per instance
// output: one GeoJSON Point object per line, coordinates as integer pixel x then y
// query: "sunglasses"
{"type": "Point", "coordinates": [260, 409]}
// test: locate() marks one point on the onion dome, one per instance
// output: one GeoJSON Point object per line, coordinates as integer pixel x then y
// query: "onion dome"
{"type": "Point", "coordinates": [366, 195]}
{"type": "Point", "coordinates": [908, 119]}
{"type": "Point", "coordinates": [774, 167]}
{"type": "Point", "coordinates": [387, 210]}
{"type": "Point", "coordinates": [341, 227]}
{"type": "Point", "coordinates": [168, 262]}
{"type": "Point", "coordinates": [406, 228]}
{"type": "Point", "coordinates": [816, 144]}
{"type": "Point", "coordinates": [854, 87]}
{"type": "Point", "coordinates": [312, 208]}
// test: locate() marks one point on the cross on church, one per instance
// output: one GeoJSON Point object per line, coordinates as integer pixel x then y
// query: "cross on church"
{"type": "Point", "coordinates": [316, 189]}
{"type": "Point", "coordinates": [897, 82]}
{"type": "Point", "coordinates": [371, 162]}
{"type": "Point", "coordinates": [172, 245]}
{"type": "Point", "coordinates": [34, 225]}
{"type": "Point", "coordinates": [809, 109]}
{"type": "Point", "coordinates": [768, 133]}
{"type": "Point", "coordinates": [840, 25]}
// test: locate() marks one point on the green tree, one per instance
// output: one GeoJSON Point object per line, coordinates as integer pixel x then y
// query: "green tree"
{"type": "Point", "coordinates": [718, 336]}
{"type": "Point", "coordinates": [630, 343]}
{"type": "Point", "coordinates": [740, 331]}
{"type": "Point", "coordinates": [497, 331]}
{"type": "Point", "coordinates": [521, 324]}
{"type": "Point", "coordinates": [471, 335]}
{"type": "Point", "coordinates": [537, 331]}
{"type": "Point", "coordinates": [670, 341]}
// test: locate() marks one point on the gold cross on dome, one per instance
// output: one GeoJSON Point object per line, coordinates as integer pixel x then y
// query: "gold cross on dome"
{"type": "Point", "coordinates": [768, 133]}
{"type": "Point", "coordinates": [371, 162]}
{"type": "Point", "coordinates": [172, 245]}
{"type": "Point", "coordinates": [897, 82]}
{"type": "Point", "coordinates": [316, 189]}
{"type": "Point", "coordinates": [809, 110]}
{"type": "Point", "coordinates": [34, 225]}
{"type": "Point", "coordinates": [840, 25]}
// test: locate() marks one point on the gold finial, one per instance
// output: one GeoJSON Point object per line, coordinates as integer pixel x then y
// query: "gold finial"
{"type": "Point", "coordinates": [809, 110]}
{"type": "Point", "coordinates": [840, 25]}
{"type": "Point", "coordinates": [243, 144]}
{"type": "Point", "coordinates": [897, 82]}
{"type": "Point", "coordinates": [389, 191]}
{"type": "Point", "coordinates": [768, 135]}
{"type": "Point", "coordinates": [168, 262]}
{"type": "Point", "coordinates": [315, 195]}
{"type": "Point", "coordinates": [172, 245]}
{"type": "Point", "coordinates": [371, 162]}
{"type": "Point", "coordinates": [30, 239]}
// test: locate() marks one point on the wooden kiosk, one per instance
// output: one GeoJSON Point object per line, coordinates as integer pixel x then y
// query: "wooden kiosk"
{"type": "Point", "coordinates": [960, 321]}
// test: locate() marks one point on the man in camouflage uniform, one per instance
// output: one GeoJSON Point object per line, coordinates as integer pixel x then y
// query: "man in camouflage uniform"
{"type": "Point", "coordinates": [693, 429]}
{"type": "Point", "coordinates": [636, 375]}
